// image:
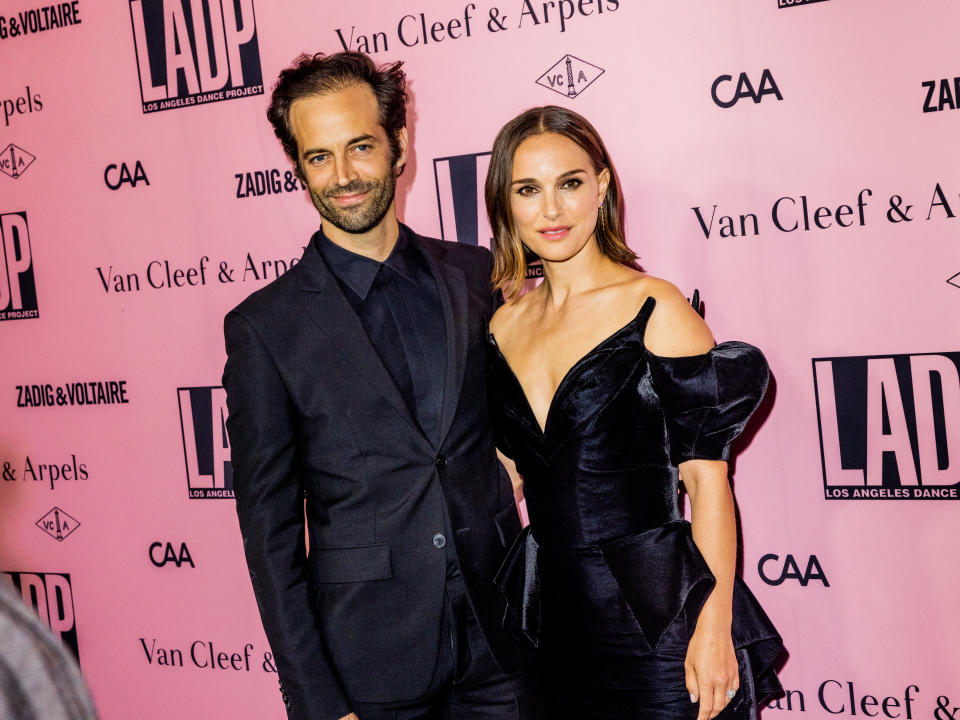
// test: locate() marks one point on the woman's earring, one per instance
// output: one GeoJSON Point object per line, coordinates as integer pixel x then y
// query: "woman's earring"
{"type": "Point", "coordinates": [603, 220]}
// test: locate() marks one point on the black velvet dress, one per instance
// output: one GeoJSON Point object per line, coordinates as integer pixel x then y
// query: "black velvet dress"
{"type": "Point", "coordinates": [606, 581]}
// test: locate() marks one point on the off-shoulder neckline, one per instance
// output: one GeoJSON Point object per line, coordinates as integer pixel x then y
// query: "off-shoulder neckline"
{"type": "Point", "coordinates": [570, 371]}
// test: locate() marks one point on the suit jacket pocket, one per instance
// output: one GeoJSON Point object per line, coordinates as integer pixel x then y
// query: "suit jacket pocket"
{"type": "Point", "coordinates": [351, 564]}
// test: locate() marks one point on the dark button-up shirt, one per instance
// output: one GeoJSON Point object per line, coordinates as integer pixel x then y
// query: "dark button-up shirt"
{"type": "Point", "coordinates": [398, 304]}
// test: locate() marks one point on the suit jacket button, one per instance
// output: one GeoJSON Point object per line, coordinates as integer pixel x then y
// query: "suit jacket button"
{"type": "Point", "coordinates": [439, 540]}
{"type": "Point", "coordinates": [441, 461]}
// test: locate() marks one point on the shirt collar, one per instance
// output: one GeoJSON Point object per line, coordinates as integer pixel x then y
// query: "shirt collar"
{"type": "Point", "coordinates": [358, 271]}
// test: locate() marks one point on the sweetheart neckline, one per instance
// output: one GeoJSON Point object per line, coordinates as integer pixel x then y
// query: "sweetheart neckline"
{"type": "Point", "coordinates": [566, 376]}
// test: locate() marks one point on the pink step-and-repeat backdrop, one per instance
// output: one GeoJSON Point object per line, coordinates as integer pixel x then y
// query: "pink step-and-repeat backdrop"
{"type": "Point", "coordinates": [797, 161]}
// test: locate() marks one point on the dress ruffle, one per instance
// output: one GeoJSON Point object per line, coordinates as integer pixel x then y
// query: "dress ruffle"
{"type": "Point", "coordinates": [519, 580]}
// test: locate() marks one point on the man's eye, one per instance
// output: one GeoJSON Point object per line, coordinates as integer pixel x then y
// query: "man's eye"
{"type": "Point", "coordinates": [361, 148]}
{"type": "Point", "coordinates": [317, 159]}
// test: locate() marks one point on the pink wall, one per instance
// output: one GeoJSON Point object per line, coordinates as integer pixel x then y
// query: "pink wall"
{"type": "Point", "coordinates": [853, 79]}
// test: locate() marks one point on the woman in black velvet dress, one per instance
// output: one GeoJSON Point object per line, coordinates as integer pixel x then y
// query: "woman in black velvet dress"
{"type": "Point", "coordinates": [605, 387]}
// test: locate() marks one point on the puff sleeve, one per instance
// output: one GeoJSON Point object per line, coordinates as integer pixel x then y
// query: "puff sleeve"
{"type": "Point", "coordinates": [708, 399]}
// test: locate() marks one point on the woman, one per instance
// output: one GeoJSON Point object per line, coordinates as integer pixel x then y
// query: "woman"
{"type": "Point", "coordinates": [605, 384]}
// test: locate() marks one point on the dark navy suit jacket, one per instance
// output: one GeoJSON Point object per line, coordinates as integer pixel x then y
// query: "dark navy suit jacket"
{"type": "Point", "coordinates": [314, 413]}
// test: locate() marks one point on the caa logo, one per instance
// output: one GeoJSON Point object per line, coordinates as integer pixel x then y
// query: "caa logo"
{"type": "Point", "coordinates": [192, 52]}
{"type": "Point", "coordinates": [51, 596]}
{"type": "Point", "coordinates": [163, 553]}
{"type": "Point", "coordinates": [889, 426]}
{"type": "Point", "coordinates": [768, 86]}
{"type": "Point", "coordinates": [773, 571]}
{"type": "Point", "coordinates": [206, 447]}
{"type": "Point", "coordinates": [115, 177]}
{"type": "Point", "coordinates": [18, 290]}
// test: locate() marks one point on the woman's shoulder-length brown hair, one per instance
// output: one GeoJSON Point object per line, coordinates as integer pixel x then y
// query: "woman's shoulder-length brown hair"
{"type": "Point", "coordinates": [509, 254]}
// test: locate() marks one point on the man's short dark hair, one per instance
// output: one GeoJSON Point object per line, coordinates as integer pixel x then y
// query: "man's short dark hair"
{"type": "Point", "coordinates": [320, 74]}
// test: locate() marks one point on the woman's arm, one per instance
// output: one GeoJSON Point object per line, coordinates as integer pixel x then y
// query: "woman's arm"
{"type": "Point", "coordinates": [675, 330]}
{"type": "Point", "coordinates": [711, 663]}
{"type": "Point", "coordinates": [515, 480]}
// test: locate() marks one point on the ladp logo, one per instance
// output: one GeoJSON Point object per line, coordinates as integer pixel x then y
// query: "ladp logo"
{"type": "Point", "coordinates": [191, 52]}
{"type": "Point", "coordinates": [206, 447]}
{"type": "Point", "coordinates": [889, 426]}
{"type": "Point", "coordinates": [51, 596]}
{"type": "Point", "coordinates": [18, 291]}
{"type": "Point", "coordinates": [794, 3]}
{"type": "Point", "coordinates": [460, 201]}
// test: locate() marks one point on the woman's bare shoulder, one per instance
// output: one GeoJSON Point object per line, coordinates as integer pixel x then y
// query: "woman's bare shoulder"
{"type": "Point", "coordinates": [675, 329]}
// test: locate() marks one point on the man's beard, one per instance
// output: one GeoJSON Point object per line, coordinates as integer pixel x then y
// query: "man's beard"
{"type": "Point", "coordinates": [360, 218]}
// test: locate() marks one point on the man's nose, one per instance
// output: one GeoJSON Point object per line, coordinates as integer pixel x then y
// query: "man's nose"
{"type": "Point", "coordinates": [346, 172]}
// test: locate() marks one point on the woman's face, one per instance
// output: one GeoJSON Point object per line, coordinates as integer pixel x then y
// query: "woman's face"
{"type": "Point", "coordinates": [554, 196]}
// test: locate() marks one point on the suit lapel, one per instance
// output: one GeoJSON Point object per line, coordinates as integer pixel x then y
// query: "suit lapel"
{"type": "Point", "coordinates": [324, 302]}
{"type": "Point", "coordinates": [452, 287]}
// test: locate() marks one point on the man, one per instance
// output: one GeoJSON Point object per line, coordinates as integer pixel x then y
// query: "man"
{"type": "Point", "coordinates": [358, 380]}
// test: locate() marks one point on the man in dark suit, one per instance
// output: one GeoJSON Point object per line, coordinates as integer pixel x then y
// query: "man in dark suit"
{"type": "Point", "coordinates": [357, 381]}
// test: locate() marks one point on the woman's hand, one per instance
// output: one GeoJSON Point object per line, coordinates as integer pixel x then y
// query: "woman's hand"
{"type": "Point", "coordinates": [711, 662]}
{"type": "Point", "coordinates": [711, 667]}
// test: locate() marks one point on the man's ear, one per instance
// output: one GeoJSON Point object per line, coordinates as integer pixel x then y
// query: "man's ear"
{"type": "Point", "coordinates": [402, 155]}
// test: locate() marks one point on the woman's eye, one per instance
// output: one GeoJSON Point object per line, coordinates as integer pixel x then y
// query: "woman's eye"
{"type": "Point", "coordinates": [526, 190]}
{"type": "Point", "coordinates": [572, 184]}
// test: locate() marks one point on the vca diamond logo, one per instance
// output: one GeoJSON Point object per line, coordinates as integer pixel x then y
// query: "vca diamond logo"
{"type": "Point", "coordinates": [14, 161]}
{"type": "Point", "coordinates": [58, 524]}
{"type": "Point", "coordinates": [570, 76]}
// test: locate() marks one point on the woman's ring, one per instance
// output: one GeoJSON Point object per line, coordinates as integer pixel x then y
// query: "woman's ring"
{"type": "Point", "coordinates": [730, 693]}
